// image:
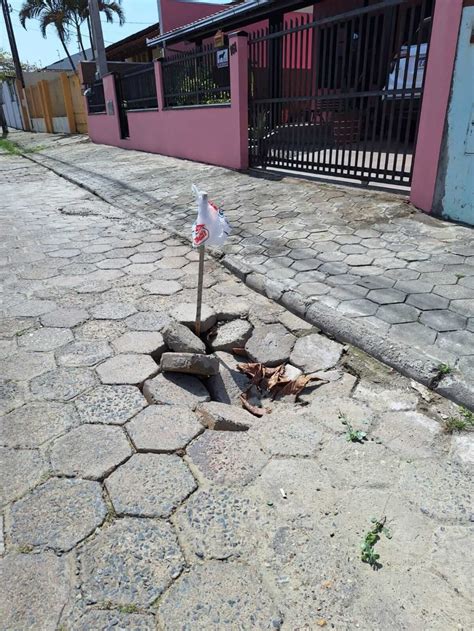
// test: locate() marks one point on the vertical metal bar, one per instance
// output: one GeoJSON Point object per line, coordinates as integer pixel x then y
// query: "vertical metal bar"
{"type": "Point", "coordinates": [199, 290]}
{"type": "Point", "coordinates": [396, 140]}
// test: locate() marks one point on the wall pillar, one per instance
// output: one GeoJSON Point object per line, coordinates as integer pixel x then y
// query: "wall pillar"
{"type": "Point", "coordinates": [439, 72]}
{"type": "Point", "coordinates": [239, 90]}
{"type": "Point", "coordinates": [67, 96]}
{"type": "Point", "coordinates": [160, 94]}
{"type": "Point", "coordinates": [46, 102]}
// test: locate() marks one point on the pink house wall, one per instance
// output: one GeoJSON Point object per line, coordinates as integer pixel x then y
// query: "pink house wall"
{"type": "Point", "coordinates": [211, 134]}
{"type": "Point", "coordinates": [439, 72]}
{"type": "Point", "coordinates": [174, 13]}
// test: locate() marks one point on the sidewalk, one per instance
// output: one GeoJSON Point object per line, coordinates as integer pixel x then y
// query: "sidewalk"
{"type": "Point", "coordinates": [124, 506]}
{"type": "Point", "coordinates": [363, 266]}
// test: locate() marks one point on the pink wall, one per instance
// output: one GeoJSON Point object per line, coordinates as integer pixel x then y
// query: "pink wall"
{"type": "Point", "coordinates": [439, 72]}
{"type": "Point", "coordinates": [174, 13]}
{"type": "Point", "coordinates": [212, 134]}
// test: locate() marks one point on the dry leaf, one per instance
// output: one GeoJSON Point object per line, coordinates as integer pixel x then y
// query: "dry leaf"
{"type": "Point", "coordinates": [253, 409]}
{"type": "Point", "coordinates": [321, 622]}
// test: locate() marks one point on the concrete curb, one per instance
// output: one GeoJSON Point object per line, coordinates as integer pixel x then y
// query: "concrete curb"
{"type": "Point", "coordinates": [408, 361]}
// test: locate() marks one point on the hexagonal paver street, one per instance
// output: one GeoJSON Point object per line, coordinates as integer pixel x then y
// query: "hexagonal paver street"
{"type": "Point", "coordinates": [138, 499]}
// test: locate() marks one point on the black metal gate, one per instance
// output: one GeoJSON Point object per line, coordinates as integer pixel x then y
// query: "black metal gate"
{"type": "Point", "coordinates": [340, 96]}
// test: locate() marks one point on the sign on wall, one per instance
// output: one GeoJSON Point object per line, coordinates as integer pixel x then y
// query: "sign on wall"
{"type": "Point", "coordinates": [222, 58]}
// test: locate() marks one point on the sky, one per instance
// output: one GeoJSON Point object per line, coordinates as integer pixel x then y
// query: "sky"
{"type": "Point", "coordinates": [33, 48]}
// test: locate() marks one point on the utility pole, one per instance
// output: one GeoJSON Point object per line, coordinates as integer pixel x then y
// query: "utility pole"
{"type": "Point", "coordinates": [11, 39]}
{"type": "Point", "coordinates": [99, 48]}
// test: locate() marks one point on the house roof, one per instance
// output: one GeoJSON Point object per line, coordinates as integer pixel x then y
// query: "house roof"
{"type": "Point", "coordinates": [126, 47]}
{"type": "Point", "coordinates": [214, 20]}
{"type": "Point", "coordinates": [235, 16]}
{"type": "Point", "coordinates": [64, 64]}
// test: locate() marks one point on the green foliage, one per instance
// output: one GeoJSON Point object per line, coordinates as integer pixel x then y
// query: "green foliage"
{"type": "Point", "coordinates": [352, 435]}
{"type": "Point", "coordinates": [368, 554]}
{"type": "Point", "coordinates": [463, 422]}
{"type": "Point", "coordinates": [15, 149]}
{"type": "Point", "coordinates": [195, 85]}
{"type": "Point", "coordinates": [444, 369]}
{"type": "Point", "coordinates": [7, 67]}
{"type": "Point", "coordinates": [128, 608]}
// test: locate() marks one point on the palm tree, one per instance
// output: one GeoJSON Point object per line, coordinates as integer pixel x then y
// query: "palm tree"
{"type": "Point", "coordinates": [79, 13]}
{"type": "Point", "coordinates": [49, 12]}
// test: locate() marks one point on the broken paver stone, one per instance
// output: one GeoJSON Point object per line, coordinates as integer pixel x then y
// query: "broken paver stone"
{"type": "Point", "coordinates": [190, 363]}
{"type": "Point", "coordinates": [181, 339]}
{"type": "Point", "coordinates": [220, 416]}
{"type": "Point", "coordinates": [231, 335]}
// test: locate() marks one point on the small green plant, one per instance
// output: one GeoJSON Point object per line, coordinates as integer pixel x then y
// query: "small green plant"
{"type": "Point", "coordinates": [459, 276]}
{"type": "Point", "coordinates": [25, 549]}
{"type": "Point", "coordinates": [13, 148]}
{"type": "Point", "coordinates": [444, 369]}
{"type": "Point", "coordinates": [368, 554]}
{"type": "Point", "coordinates": [465, 421]}
{"type": "Point", "coordinates": [352, 435]}
{"type": "Point", "coordinates": [128, 608]}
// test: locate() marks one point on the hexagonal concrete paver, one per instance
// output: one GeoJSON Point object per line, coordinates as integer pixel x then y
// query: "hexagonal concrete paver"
{"type": "Point", "coordinates": [410, 434]}
{"type": "Point", "coordinates": [230, 458]}
{"type": "Point", "coordinates": [150, 485]}
{"type": "Point", "coordinates": [127, 369]}
{"type": "Point", "coordinates": [283, 434]}
{"type": "Point", "coordinates": [31, 307]}
{"type": "Point", "coordinates": [163, 287]}
{"type": "Point", "coordinates": [220, 523]}
{"type": "Point", "coordinates": [443, 320]}
{"type": "Point", "coordinates": [58, 514]}
{"type": "Point", "coordinates": [130, 562]}
{"type": "Point", "coordinates": [270, 344]}
{"type": "Point", "coordinates": [163, 428]}
{"type": "Point", "coordinates": [62, 384]}
{"type": "Point", "coordinates": [20, 470]}
{"type": "Point", "coordinates": [35, 423]}
{"type": "Point", "coordinates": [397, 313]}
{"type": "Point", "coordinates": [100, 620]}
{"type": "Point", "coordinates": [45, 339]}
{"type": "Point", "coordinates": [176, 389]}
{"type": "Point", "coordinates": [443, 493]}
{"type": "Point", "coordinates": [64, 317]}
{"type": "Point", "coordinates": [114, 405]}
{"type": "Point", "coordinates": [386, 296]}
{"type": "Point", "coordinates": [147, 321]}
{"type": "Point", "coordinates": [36, 588]}
{"type": "Point", "coordinates": [358, 307]}
{"type": "Point", "coordinates": [140, 342]}
{"type": "Point", "coordinates": [216, 595]}
{"type": "Point", "coordinates": [315, 352]}
{"type": "Point", "coordinates": [12, 395]}
{"type": "Point", "coordinates": [24, 365]}
{"type": "Point", "coordinates": [90, 451]}
{"type": "Point", "coordinates": [83, 353]}
{"type": "Point", "coordinates": [112, 311]}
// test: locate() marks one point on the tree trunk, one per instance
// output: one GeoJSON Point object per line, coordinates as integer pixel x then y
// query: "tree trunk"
{"type": "Point", "coordinates": [79, 40]}
{"type": "Point", "coordinates": [91, 38]}
{"type": "Point", "coordinates": [67, 53]}
{"type": "Point", "coordinates": [3, 122]}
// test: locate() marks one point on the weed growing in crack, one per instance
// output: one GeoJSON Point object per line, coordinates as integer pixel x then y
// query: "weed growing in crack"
{"type": "Point", "coordinates": [352, 435]}
{"type": "Point", "coordinates": [128, 608]}
{"type": "Point", "coordinates": [463, 422]}
{"type": "Point", "coordinates": [444, 369]}
{"type": "Point", "coordinates": [25, 549]}
{"type": "Point", "coordinates": [368, 554]}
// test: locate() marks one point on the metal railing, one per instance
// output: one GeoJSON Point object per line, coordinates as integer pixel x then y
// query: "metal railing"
{"type": "Point", "coordinates": [96, 98]}
{"type": "Point", "coordinates": [138, 88]}
{"type": "Point", "coordinates": [200, 77]}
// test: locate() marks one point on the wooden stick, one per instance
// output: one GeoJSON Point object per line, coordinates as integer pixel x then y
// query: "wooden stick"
{"type": "Point", "coordinates": [199, 290]}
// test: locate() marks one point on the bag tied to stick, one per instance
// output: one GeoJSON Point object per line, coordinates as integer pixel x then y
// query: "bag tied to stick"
{"type": "Point", "coordinates": [211, 226]}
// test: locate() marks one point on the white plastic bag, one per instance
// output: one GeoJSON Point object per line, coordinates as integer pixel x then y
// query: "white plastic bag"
{"type": "Point", "coordinates": [211, 226]}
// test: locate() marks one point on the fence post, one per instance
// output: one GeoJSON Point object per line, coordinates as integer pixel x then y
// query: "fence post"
{"type": "Point", "coordinates": [23, 104]}
{"type": "Point", "coordinates": [46, 101]}
{"type": "Point", "coordinates": [238, 50]}
{"type": "Point", "coordinates": [160, 95]}
{"type": "Point", "coordinates": [67, 96]}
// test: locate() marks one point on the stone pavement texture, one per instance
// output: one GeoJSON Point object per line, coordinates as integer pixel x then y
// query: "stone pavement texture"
{"type": "Point", "coordinates": [363, 266]}
{"type": "Point", "coordinates": [126, 502]}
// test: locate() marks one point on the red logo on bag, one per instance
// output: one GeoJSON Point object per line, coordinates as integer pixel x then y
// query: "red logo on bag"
{"type": "Point", "coordinates": [201, 234]}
